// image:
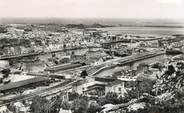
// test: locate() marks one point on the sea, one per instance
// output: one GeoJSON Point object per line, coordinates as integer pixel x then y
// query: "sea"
{"type": "Point", "coordinates": [128, 26]}
{"type": "Point", "coordinates": [144, 30]}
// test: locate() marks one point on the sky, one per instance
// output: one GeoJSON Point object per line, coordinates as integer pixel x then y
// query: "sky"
{"type": "Point", "coordinates": [160, 9]}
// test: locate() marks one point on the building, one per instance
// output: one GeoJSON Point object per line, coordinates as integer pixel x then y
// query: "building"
{"type": "Point", "coordinates": [116, 86]}
{"type": "Point", "coordinates": [95, 54]}
{"type": "Point", "coordinates": [80, 58]}
{"type": "Point", "coordinates": [150, 43]}
{"type": "Point", "coordinates": [142, 67]}
{"type": "Point", "coordinates": [93, 88]}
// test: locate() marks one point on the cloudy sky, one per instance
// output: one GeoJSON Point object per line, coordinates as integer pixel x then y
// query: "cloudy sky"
{"type": "Point", "coordinates": [164, 9]}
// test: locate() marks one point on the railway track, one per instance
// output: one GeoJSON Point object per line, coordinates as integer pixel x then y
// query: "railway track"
{"type": "Point", "coordinates": [129, 59]}
{"type": "Point", "coordinates": [68, 83]}
{"type": "Point", "coordinates": [44, 93]}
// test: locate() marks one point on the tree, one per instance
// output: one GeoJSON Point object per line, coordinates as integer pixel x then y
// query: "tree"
{"type": "Point", "coordinates": [102, 101]}
{"type": "Point", "coordinates": [73, 95]}
{"type": "Point", "coordinates": [132, 94]}
{"type": "Point", "coordinates": [57, 104]}
{"type": "Point", "coordinates": [65, 105]}
{"type": "Point", "coordinates": [94, 108]}
{"type": "Point", "coordinates": [5, 72]}
{"type": "Point", "coordinates": [116, 74]}
{"type": "Point", "coordinates": [170, 70]}
{"type": "Point", "coordinates": [80, 105]}
{"type": "Point", "coordinates": [40, 105]}
{"type": "Point", "coordinates": [3, 29]}
{"type": "Point", "coordinates": [144, 85]}
{"type": "Point", "coordinates": [112, 98]}
{"type": "Point", "coordinates": [179, 94]}
{"type": "Point", "coordinates": [84, 74]}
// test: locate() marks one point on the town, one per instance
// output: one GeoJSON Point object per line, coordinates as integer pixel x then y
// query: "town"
{"type": "Point", "coordinates": [77, 68]}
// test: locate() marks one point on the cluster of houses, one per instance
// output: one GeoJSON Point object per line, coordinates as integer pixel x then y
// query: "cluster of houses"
{"type": "Point", "coordinates": [100, 86]}
{"type": "Point", "coordinates": [20, 41]}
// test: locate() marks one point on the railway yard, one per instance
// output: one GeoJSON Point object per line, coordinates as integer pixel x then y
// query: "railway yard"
{"type": "Point", "coordinates": [69, 67]}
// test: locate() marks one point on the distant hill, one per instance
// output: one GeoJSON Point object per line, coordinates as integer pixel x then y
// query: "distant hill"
{"type": "Point", "coordinates": [97, 22]}
{"type": "Point", "coordinates": [82, 26]}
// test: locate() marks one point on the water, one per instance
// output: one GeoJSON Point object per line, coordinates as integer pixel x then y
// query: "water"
{"type": "Point", "coordinates": [144, 30]}
{"type": "Point", "coordinates": [161, 58]}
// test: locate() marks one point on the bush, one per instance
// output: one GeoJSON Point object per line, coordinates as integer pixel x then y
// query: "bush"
{"type": "Point", "coordinates": [3, 29]}
{"type": "Point", "coordinates": [40, 105]}
{"type": "Point", "coordinates": [80, 105]}
{"type": "Point", "coordinates": [73, 95]}
{"type": "Point", "coordinates": [65, 105]}
{"type": "Point", "coordinates": [94, 108]}
{"type": "Point", "coordinates": [112, 98]}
